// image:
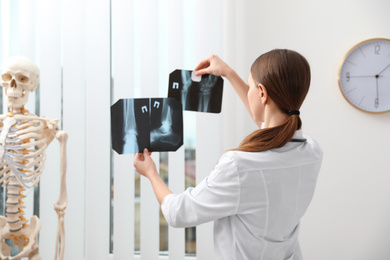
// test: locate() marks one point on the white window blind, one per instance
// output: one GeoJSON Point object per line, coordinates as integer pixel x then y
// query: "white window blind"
{"type": "Point", "coordinates": [92, 53]}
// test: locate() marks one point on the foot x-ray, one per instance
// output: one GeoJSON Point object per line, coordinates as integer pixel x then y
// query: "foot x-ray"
{"type": "Point", "coordinates": [201, 94]}
{"type": "Point", "coordinates": [153, 123]}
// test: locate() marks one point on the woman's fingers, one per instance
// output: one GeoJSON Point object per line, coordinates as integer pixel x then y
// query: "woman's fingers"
{"type": "Point", "coordinates": [202, 72]}
{"type": "Point", "coordinates": [146, 152]}
{"type": "Point", "coordinates": [211, 65]}
{"type": "Point", "coordinates": [206, 65]}
{"type": "Point", "coordinates": [143, 163]}
{"type": "Point", "coordinates": [138, 157]}
{"type": "Point", "coordinates": [202, 65]}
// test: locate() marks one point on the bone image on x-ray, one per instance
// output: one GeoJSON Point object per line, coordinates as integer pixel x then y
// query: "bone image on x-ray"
{"type": "Point", "coordinates": [196, 93]}
{"type": "Point", "coordinates": [164, 135]}
{"type": "Point", "coordinates": [129, 127]}
{"type": "Point", "coordinates": [153, 123]}
{"type": "Point", "coordinates": [205, 92]}
{"type": "Point", "coordinates": [186, 84]}
{"type": "Point", "coordinates": [164, 131]}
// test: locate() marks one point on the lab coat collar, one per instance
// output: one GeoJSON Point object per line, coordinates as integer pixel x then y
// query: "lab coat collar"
{"type": "Point", "coordinates": [297, 140]}
{"type": "Point", "coordinates": [298, 134]}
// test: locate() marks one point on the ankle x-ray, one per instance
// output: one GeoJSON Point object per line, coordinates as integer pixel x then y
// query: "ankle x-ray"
{"type": "Point", "coordinates": [153, 123]}
{"type": "Point", "coordinates": [202, 95]}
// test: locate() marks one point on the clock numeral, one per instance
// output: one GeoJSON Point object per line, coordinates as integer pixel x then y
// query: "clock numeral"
{"type": "Point", "coordinates": [377, 49]}
{"type": "Point", "coordinates": [376, 103]}
{"type": "Point", "coordinates": [348, 76]}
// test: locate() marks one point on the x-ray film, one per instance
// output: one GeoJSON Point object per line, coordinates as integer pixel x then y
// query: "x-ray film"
{"type": "Point", "coordinates": [153, 123]}
{"type": "Point", "coordinates": [201, 94]}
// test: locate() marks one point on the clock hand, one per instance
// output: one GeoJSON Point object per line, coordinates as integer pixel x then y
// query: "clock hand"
{"type": "Point", "coordinates": [363, 76]}
{"type": "Point", "coordinates": [384, 69]}
{"type": "Point", "coordinates": [377, 93]}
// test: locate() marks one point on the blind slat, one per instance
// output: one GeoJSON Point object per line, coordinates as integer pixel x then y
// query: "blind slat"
{"type": "Point", "coordinates": [98, 102]}
{"type": "Point", "coordinates": [73, 83]}
{"type": "Point", "coordinates": [207, 138]}
{"type": "Point", "coordinates": [173, 53]}
{"type": "Point", "coordinates": [49, 58]}
{"type": "Point", "coordinates": [123, 71]}
{"type": "Point", "coordinates": [148, 65]}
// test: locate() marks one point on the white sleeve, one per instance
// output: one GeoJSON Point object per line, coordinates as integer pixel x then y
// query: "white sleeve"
{"type": "Point", "coordinates": [217, 196]}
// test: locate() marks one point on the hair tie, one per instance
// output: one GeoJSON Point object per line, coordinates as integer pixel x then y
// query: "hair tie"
{"type": "Point", "coordinates": [293, 112]}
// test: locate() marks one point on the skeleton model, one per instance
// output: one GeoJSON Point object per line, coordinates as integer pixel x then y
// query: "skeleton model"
{"type": "Point", "coordinates": [24, 138]}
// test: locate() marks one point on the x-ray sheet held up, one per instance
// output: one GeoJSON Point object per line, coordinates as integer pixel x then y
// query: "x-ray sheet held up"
{"type": "Point", "coordinates": [157, 123]}
{"type": "Point", "coordinates": [196, 93]}
{"type": "Point", "coordinates": [153, 123]}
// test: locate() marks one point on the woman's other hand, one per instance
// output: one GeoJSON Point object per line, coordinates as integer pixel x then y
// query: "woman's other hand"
{"type": "Point", "coordinates": [144, 164]}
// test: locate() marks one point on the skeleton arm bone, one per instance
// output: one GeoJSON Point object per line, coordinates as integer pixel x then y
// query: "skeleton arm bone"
{"type": "Point", "coordinates": [62, 202]}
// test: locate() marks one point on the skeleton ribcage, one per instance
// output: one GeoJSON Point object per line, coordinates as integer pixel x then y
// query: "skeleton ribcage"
{"type": "Point", "coordinates": [24, 153]}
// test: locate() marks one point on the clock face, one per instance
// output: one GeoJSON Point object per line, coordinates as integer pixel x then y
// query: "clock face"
{"type": "Point", "coordinates": [364, 76]}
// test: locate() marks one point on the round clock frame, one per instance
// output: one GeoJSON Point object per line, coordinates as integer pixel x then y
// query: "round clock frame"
{"type": "Point", "coordinates": [361, 75]}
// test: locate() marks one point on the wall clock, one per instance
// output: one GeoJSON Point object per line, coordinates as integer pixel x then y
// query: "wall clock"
{"type": "Point", "coordinates": [364, 76]}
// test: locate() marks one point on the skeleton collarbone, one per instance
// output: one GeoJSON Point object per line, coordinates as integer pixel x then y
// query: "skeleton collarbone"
{"type": "Point", "coordinates": [23, 141]}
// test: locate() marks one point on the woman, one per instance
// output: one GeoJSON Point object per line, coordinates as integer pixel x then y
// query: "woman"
{"type": "Point", "coordinates": [258, 192]}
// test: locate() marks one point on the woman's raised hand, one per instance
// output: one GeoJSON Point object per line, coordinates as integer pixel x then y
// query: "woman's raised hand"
{"type": "Point", "coordinates": [212, 65]}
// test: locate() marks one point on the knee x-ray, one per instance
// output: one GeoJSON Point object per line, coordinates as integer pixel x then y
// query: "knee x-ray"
{"type": "Point", "coordinates": [204, 95]}
{"type": "Point", "coordinates": [153, 123]}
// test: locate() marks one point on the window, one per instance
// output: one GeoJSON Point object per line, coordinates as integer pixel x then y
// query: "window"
{"type": "Point", "coordinates": [123, 49]}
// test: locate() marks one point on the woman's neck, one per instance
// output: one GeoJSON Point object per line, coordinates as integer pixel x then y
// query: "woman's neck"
{"type": "Point", "coordinates": [273, 116]}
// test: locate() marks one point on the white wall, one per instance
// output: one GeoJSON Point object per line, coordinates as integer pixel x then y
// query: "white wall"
{"type": "Point", "coordinates": [350, 213]}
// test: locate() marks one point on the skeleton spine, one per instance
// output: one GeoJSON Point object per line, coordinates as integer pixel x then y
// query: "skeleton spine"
{"type": "Point", "coordinates": [14, 209]}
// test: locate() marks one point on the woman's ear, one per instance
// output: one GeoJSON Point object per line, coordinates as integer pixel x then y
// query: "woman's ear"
{"type": "Point", "coordinates": [263, 93]}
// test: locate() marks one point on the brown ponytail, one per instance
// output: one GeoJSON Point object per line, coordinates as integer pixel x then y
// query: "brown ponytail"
{"type": "Point", "coordinates": [286, 76]}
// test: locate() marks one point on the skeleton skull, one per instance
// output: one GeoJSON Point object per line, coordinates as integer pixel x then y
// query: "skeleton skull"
{"type": "Point", "coordinates": [19, 76]}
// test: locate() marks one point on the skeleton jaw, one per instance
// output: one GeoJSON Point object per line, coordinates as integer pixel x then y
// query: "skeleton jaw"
{"type": "Point", "coordinates": [15, 93]}
{"type": "Point", "coordinates": [16, 99]}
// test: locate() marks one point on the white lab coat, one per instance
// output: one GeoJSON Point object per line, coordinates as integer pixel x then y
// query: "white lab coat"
{"type": "Point", "coordinates": [256, 200]}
